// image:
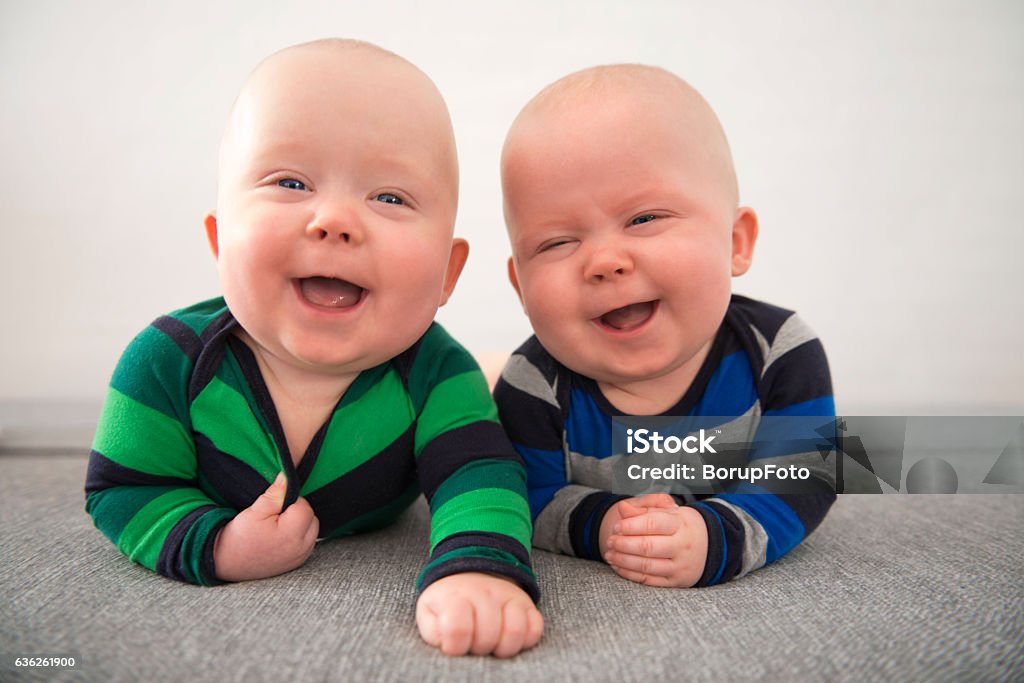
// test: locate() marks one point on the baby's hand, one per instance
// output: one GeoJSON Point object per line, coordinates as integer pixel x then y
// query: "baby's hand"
{"type": "Point", "coordinates": [478, 613]}
{"type": "Point", "coordinates": [656, 542]}
{"type": "Point", "coordinates": [614, 516]}
{"type": "Point", "coordinates": [262, 541]}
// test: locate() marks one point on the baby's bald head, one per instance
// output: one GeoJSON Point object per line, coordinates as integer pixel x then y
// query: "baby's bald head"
{"type": "Point", "coordinates": [633, 102]}
{"type": "Point", "coordinates": [336, 77]}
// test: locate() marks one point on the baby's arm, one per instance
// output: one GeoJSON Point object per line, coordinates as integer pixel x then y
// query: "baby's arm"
{"type": "Point", "coordinates": [478, 587]}
{"type": "Point", "coordinates": [751, 525]}
{"type": "Point", "coordinates": [531, 395]}
{"type": "Point", "coordinates": [142, 484]}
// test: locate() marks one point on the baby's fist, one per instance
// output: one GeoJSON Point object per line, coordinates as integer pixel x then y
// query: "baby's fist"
{"type": "Point", "coordinates": [479, 614]}
{"type": "Point", "coordinates": [263, 541]}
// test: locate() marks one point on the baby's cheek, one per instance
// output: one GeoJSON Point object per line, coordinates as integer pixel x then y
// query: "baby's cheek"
{"type": "Point", "coordinates": [416, 264]}
{"type": "Point", "coordinates": [413, 283]}
{"type": "Point", "coordinates": [547, 298]}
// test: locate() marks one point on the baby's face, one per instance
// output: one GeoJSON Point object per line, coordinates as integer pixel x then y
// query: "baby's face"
{"type": "Point", "coordinates": [622, 237]}
{"type": "Point", "coordinates": [335, 211]}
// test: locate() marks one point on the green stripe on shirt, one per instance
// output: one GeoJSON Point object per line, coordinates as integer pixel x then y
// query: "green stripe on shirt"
{"type": "Point", "coordinates": [466, 390]}
{"type": "Point", "coordinates": [437, 358]}
{"type": "Point", "coordinates": [496, 510]}
{"type": "Point", "coordinates": [135, 373]}
{"type": "Point", "coordinates": [137, 436]}
{"type": "Point", "coordinates": [142, 538]}
{"type": "Point", "coordinates": [490, 474]}
{"type": "Point", "coordinates": [349, 442]}
{"type": "Point", "coordinates": [224, 416]}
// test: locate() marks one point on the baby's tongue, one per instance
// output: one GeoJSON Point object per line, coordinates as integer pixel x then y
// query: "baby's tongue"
{"type": "Point", "coordinates": [628, 317]}
{"type": "Point", "coordinates": [330, 292]}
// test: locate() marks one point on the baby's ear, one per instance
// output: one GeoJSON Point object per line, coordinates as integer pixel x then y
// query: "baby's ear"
{"type": "Point", "coordinates": [210, 222]}
{"type": "Point", "coordinates": [514, 278]}
{"type": "Point", "coordinates": [744, 235]}
{"type": "Point", "coordinates": [456, 261]}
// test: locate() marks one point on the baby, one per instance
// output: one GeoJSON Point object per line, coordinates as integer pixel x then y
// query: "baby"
{"type": "Point", "coordinates": [321, 372]}
{"type": "Point", "coordinates": [622, 210]}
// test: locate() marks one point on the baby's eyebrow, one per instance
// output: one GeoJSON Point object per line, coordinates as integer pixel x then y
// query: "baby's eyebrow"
{"type": "Point", "coordinates": [536, 238]}
{"type": "Point", "coordinates": [269, 157]}
{"type": "Point", "coordinates": [522, 244]}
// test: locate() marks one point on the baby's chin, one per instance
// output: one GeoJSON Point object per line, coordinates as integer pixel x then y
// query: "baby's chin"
{"type": "Point", "coordinates": [624, 370]}
{"type": "Point", "coordinates": [621, 376]}
{"type": "Point", "coordinates": [335, 359]}
{"type": "Point", "coordinates": [331, 354]}
{"type": "Point", "coordinates": [604, 371]}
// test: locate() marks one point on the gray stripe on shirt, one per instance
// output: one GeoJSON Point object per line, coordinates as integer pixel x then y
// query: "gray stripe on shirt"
{"type": "Point", "coordinates": [755, 540]}
{"type": "Point", "coordinates": [551, 530]}
{"type": "Point", "coordinates": [793, 333]}
{"type": "Point", "coordinates": [525, 376]}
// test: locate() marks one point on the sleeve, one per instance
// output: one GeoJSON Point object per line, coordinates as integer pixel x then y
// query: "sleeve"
{"type": "Point", "coordinates": [755, 524]}
{"type": "Point", "coordinates": [472, 478]}
{"type": "Point", "coordinates": [567, 517]}
{"type": "Point", "coordinates": [141, 487]}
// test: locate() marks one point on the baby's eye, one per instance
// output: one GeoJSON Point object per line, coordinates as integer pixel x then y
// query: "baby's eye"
{"type": "Point", "coordinates": [646, 218]}
{"type": "Point", "coordinates": [553, 244]}
{"type": "Point", "coordinates": [291, 184]}
{"type": "Point", "coordinates": [389, 198]}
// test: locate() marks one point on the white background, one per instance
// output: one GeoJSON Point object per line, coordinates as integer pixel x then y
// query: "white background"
{"type": "Point", "coordinates": [882, 145]}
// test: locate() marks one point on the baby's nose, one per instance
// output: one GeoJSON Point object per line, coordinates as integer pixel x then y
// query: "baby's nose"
{"type": "Point", "coordinates": [334, 223]}
{"type": "Point", "coordinates": [608, 263]}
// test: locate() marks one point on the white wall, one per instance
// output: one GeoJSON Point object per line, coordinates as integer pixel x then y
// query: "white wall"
{"type": "Point", "coordinates": [881, 144]}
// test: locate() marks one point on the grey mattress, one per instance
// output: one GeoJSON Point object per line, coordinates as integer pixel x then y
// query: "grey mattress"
{"type": "Point", "coordinates": [897, 587]}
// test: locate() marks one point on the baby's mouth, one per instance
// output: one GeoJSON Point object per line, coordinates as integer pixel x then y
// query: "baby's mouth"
{"type": "Point", "coordinates": [629, 317]}
{"type": "Point", "coordinates": [330, 292]}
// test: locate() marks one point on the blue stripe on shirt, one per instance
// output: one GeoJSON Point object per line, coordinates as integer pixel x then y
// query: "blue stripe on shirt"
{"type": "Point", "coordinates": [731, 389]}
{"type": "Point", "coordinates": [725, 543]}
{"type": "Point", "coordinates": [779, 521]}
{"type": "Point", "coordinates": [545, 470]}
{"type": "Point", "coordinates": [588, 429]}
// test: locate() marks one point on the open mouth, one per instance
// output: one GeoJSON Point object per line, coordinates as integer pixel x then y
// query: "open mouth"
{"type": "Point", "coordinates": [329, 292]}
{"type": "Point", "coordinates": [629, 317]}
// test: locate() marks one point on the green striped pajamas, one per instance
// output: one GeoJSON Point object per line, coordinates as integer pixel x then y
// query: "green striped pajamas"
{"type": "Point", "coordinates": [189, 437]}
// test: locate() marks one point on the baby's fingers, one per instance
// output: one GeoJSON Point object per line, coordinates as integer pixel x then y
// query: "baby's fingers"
{"type": "Point", "coordinates": [645, 579]}
{"type": "Point", "coordinates": [651, 566]}
{"type": "Point", "coordinates": [655, 500]}
{"type": "Point", "coordinates": [655, 521]}
{"type": "Point", "coordinates": [644, 546]}
{"type": "Point", "coordinates": [297, 520]}
{"type": "Point", "coordinates": [455, 626]}
{"type": "Point", "coordinates": [534, 628]}
{"type": "Point", "coordinates": [312, 533]}
{"type": "Point", "coordinates": [487, 628]}
{"type": "Point", "coordinates": [427, 622]}
{"type": "Point", "coordinates": [514, 625]}
{"type": "Point", "coordinates": [627, 509]}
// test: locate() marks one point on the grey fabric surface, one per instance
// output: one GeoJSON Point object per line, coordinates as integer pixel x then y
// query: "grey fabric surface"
{"type": "Point", "coordinates": [888, 588]}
